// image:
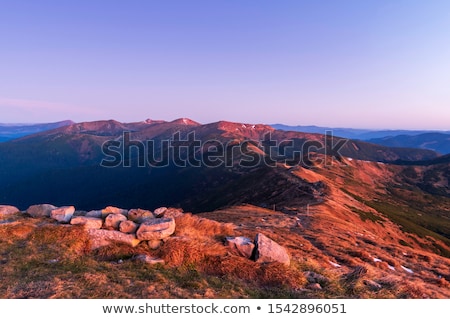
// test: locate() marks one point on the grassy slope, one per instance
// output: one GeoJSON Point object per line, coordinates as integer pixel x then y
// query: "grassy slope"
{"type": "Point", "coordinates": [41, 259]}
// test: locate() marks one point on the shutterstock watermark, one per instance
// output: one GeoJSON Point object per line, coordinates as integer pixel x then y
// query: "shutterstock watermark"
{"type": "Point", "coordinates": [188, 151]}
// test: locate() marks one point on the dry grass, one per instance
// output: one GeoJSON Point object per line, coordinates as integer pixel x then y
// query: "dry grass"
{"type": "Point", "coordinates": [196, 227]}
{"type": "Point", "coordinates": [41, 259]}
{"type": "Point", "coordinates": [16, 231]}
{"type": "Point", "coordinates": [267, 275]}
{"type": "Point", "coordinates": [185, 252]}
{"type": "Point", "coordinates": [119, 251]}
{"type": "Point", "coordinates": [71, 241]}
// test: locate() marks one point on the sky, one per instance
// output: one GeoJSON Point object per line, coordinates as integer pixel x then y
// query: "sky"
{"type": "Point", "coordinates": [364, 64]}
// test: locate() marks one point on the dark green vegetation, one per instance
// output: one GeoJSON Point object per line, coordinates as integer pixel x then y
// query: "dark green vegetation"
{"type": "Point", "coordinates": [366, 215]}
{"type": "Point", "coordinates": [416, 212]}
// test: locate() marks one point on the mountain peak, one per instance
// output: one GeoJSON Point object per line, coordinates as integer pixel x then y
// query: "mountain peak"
{"type": "Point", "coordinates": [232, 127]}
{"type": "Point", "coordinates": [185, 121]}
{"type": "Point", "coordinates": [108, 127]}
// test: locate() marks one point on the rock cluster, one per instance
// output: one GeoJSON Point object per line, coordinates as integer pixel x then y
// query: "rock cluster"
{"type": "Point", "coordinates": [131, 227]}
{"type": "Point", "coordinates": [113, 224]}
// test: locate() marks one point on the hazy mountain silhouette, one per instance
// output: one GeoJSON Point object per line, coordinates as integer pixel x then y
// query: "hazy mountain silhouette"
{"type": "Point", "coordinates": [12, 131]}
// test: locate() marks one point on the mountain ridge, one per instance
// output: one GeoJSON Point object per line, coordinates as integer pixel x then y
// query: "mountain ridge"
{"type": "Point", "coordinates": [12, 131]}
{"type": "Point", "coordinates": [363, 134]}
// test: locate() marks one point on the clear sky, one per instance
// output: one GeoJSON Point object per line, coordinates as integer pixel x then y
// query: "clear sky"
{"type": "Point", "coordinates": [362, 64]}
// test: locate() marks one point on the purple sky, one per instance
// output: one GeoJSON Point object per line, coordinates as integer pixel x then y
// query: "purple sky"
{"type": "Point", "coordinates": [362, 64]}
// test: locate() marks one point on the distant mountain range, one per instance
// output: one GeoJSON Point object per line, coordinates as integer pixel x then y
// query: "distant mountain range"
{"type": "Point", "coordinates": [13, 131]}
{"type": "Point", "coordinates": [360, 134]}
{"type": "Point", "coordinates": [438, 141]}
{"type": "Point", "coordinates": [63, 165]}
{"type": "Point", "coordinates": [377, 206]}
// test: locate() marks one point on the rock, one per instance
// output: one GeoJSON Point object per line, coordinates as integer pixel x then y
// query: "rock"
{"type": "Point", "coordinates": [6, 210]}
{"type": "Point", "coordinates": [63, 214]}
{"type": "Point", "coordinates": [43, 210]}
{"type": "Point", "coordinates": [158, 228]}
{"type": "Point", "coordinates": [243, 246]}
{"type": "Point", "coordinates": [159, 212]}
{"type": "Point", "coordinates": [149, 259]}
{"type": "Point", "coordinates": [173, 213]}
{"type": "Point", "coordinates": [315, 286]}
{"type": "Point", "coordinates": [267, 250]}
{"type": "Point", "coordinates": [128, 227]}
{"type": "Point", "coordinates": [154, 244]}
{"type": "Point", "coordinates": [313, 278]}
{"type": "Point", "coordinates": [372, 285]}
{"type": "Point", "coordinates": [114, 210]}
{"type": "Point", "coordinates": [87, 222]}
{"type": "Point", "coordinates": [80, 213]}
{"type": "Point", "coordinates": [103, 237]}
{"type": "Point", "coordinates": [112, 221]}
{"type": "Point", "coordinates": [140, 215]}
{"type": "Point", "coordinates": [94, 213]}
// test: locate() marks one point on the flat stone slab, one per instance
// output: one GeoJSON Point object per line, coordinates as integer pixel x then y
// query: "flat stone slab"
{"type": "Point", "coordinates": [103, 237]}
{"type": "Point", "coordinates": [157, 228]}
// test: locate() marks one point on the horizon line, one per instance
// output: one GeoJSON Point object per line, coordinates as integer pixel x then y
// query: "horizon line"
{"type": "Point", "coordinates": [272, 124]}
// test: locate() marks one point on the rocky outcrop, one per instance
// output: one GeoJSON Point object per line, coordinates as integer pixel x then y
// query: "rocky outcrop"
{"type": "Point", "coordinates": [6, 210]}
{"type": "Point", "coordinates": [116, 225]}
{"type": "Point", "coordinates": [154, 230]}
{"type": "Point", "coordinates": [63, 214]}
{"type": "Point", "coordinates": [42, 210]}
{"type": "Point", "coordinates": [158, 228]}
{"type": "Point", "coordinates": [267, 250]}
{"type": "Point", "coordinates": [242, 246]}
{"type": "Point", "coordinates": [111, 224]}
